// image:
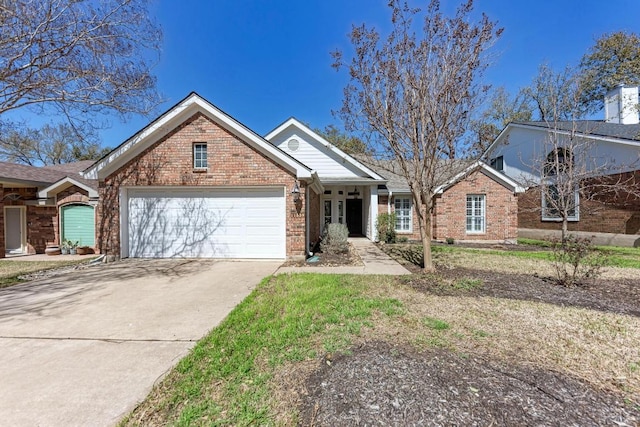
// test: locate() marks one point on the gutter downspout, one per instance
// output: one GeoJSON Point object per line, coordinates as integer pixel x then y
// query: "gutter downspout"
{"type": "Point", "coordinates": [307, 250]}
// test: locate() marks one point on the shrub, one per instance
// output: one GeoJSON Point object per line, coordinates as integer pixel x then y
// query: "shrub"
{"type": "Point", "coordinates": [402, 239]}
{"type": "Point", "coordinates": [576, 260]}
{"type": "Point", "coordinates": [386, 227]}
{"type": "Point", "coordinates": [450, 240]}
{"type": "Point", "coordinates": [334, 239]}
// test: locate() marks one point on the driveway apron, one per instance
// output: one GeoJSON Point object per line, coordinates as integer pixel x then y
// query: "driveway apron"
{"type": "Point", "coordinates": [85, 347]}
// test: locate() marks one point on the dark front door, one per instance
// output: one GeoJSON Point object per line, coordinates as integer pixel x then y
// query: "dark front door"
{"type": "Point", "coordinates": [354, 216]}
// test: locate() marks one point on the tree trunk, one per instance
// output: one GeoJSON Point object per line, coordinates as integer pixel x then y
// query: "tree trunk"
{"type": "Point", "coordinates": [425, 233]}
{"type": "Point", "coordinates": [565, 231]}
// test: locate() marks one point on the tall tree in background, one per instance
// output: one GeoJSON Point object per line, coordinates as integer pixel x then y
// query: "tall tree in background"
{"type": "Point", "coordinates": [350, 144]}
{"type": "Point", "coordinates": [501, 110]}
{"type": "Point", "coordinates": [553, 94]}
{"type": "Point", "coordinates": [413, 94]}
{"type": "Point", "coordinates": [49, 145]}
{"type": "Point", "coordinates": [77, 58]}
{"type": "Point", "coordinates": [613, 60]}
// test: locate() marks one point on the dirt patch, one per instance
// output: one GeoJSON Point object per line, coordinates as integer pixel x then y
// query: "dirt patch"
{"type": "Point", "coordinates": [611, 295]}
{"type": "Point", "coordinates": [321, 259]}
{"type": "Point", "coordinates": [381, 384]}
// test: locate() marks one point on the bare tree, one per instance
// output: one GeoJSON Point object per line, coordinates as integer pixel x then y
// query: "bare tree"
{"type": "Point", "coordinates": [49, 145]}
{"type": "Point", "coordinates": [502, 109]}
{"type": "Point", "coordinates": [413, 93]}
{"type": "Point", "coordinates": [78, 57]}
{"type": "Point", "coordinates": [568, 169]}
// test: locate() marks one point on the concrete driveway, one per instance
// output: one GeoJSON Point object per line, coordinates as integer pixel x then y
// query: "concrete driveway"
{"type": "Point", "coordinates": [85, 347]}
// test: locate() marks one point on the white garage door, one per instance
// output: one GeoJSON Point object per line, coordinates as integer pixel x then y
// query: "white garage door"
{"type": "Point", "coordinates": [206, 223]}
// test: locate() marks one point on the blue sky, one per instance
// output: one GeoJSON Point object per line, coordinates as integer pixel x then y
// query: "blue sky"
{"type": "Point", "coordinates": [262, 61]}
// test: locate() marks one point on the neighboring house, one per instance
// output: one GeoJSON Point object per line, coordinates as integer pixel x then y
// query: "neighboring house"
{"type": "Point", "coordinates": [611, 145]}
{"type": "Point", "coordinates": [44, 205]}
{"type": "Point", "coordinates": [196, 182]}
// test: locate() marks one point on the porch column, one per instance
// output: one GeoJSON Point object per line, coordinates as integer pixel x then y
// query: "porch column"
{"type": "Point", "coordinates": [373, 212]}
{"type": "Point", "coordinates": [2, 243]}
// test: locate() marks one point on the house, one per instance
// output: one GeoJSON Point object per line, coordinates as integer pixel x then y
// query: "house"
{"type": "Point", "coordinates": [43, 205]}
{"type": "Point", "coordinates": [607, 150]}
{"type": "Point", "coordinates": [196, 182]}
{"type": "Point", "coordinates": [476, 204]}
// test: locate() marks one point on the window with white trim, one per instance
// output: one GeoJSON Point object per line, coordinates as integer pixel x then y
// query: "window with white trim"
{"type": "Point", "coordinates": [476, 213]}
{"type": "Point", "coordinates": [403, 214]}
{"type": "Point", "coordinates": [498, 163]}
{"type": "Point", "coordinates": [327, 212]}
{"type": "Point", "coordinates": [553, 205]}
{"type": "Point", "coordinates": [200, 155]}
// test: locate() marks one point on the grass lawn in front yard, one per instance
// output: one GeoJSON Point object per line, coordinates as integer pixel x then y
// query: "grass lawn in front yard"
{"type": "Point", "coordinates": [483, 341]}
{"type": "Point", "coordinates": [11, 271]}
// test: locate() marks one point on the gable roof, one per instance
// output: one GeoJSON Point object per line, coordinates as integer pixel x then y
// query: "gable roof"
{"type": "Point", "coordinates": [175, 116]}
{"type": "Point", "coordinates": [397, 183]}
{"type": "Point", "coordinates": [597, 129]}
{"type": "Point", "coordinates": [293, 122]}
{"type": "Point", "coordinates": [481, 166]}
{"type": "Point", "coordinates": [88, 185]}
{"type": "Point", "coordinates": [39, 176]}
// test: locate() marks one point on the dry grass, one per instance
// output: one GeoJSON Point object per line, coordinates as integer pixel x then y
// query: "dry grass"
{"type": "Point", "coordinates": [517, 265]}
{"type": "Point", "coordinates": [600, 348]}
{"type": "Point", "coordinates": [11, 270]}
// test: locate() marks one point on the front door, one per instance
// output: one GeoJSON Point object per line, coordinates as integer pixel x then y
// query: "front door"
{"type": "Point", "coordinates": [354, 217]}
{"type": "Point", "coordinates": [14, 225]}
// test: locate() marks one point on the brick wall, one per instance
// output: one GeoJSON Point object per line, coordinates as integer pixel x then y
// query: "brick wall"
{"type": "Point", "coordinates": [40, 219]}
{"type": "Point", "coordinates": [501, 210]}
{"type": "Point", "coordinates": [594, 216]}
{"type": "Point", "coordinates": [42, 227]}
{"type": "Point", "coordinates": [169, 162]}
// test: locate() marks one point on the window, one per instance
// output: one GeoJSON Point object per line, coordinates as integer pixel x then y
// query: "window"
{"type": "Point", "coordinates": [475, 213]}
{"type": "Point", "coordinates": [341, 211]}
{"type": "Point", "coordinates": [200, 155]}
{"type": "Point", "coordinates": [403, 214]}
{"type": "Point", "coordinates": [498, 163]}
{"type": "Point", "coordinates": [553, 205]}
{"type": "Point", "coordinates": [327, 212]}
{"type": "Point", "coordinates": [558, 161]}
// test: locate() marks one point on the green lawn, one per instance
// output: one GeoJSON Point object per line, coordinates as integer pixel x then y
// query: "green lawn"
{"type": "Point", "coordinates": [10, 271]}
{"type": "Point", "coordinates": [286, 319]}
{"type": "Point", "coordinates": [249, 369]}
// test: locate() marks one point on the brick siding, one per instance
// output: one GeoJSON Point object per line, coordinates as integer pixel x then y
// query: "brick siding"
{"type": "Point", "coordinates": [169, 162]}
{"type": "Point", "coordinates": [501, 208]}
{"type": "Point", "coordinates": [449, 215]}
{"type": "Point", "coordinates": [602, 216]}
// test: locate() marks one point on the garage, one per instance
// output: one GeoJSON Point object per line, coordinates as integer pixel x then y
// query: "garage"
{"type": "Point", "coordinates": [78, 224]}
{"type": "Point", "coordinates": [204, 222]}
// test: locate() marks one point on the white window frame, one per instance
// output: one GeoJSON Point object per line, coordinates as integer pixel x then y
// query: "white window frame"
{"type": "Point", "coordinates": [199, 162]}
{"type": "Point", "coordinates": [499, 160]}
{"type": "Point", "coordinates": [573, 218]}
{"type": "Point", "coordinates": [470, 213]}
{"type": "Point", "coordinates": [399, 218]}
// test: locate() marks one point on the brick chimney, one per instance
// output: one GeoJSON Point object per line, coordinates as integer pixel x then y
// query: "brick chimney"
{"type": "Point", "coordinates": [621, 105]}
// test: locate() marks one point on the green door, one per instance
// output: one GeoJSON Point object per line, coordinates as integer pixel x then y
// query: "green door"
{"type": "Point", "coordinates": [78, 224]}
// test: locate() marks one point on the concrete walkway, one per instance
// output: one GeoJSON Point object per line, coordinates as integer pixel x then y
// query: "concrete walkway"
{"type": "Point", "coordinates": [83, 348]}
{"type": "Point", "coordinates": [375, 262]}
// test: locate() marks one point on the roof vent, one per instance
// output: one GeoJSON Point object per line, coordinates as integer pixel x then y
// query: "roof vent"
{"type": "Point", "coordinates": [621, 105]}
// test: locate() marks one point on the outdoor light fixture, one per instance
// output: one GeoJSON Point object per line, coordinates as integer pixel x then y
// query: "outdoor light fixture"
{"type": "Point", "coordinates": [296, 192]}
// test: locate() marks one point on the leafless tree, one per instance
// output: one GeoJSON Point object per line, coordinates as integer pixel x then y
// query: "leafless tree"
{"type": "Point", "coordinates": [49, 145]}
{"type": "Point", "coordinates": [77, 57]}
{"type": "Point", "coordinates": [412, 95]}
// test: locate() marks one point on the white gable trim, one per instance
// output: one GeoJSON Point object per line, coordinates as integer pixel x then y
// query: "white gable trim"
{"type": "Point", "coordinates": [167, 122]}
{"type": "Point", "coordinates": [488, 170]}
{"type": "Point", "coordinates": [295, 123]}
{"type": "Point", "coordinates": [66, 182]}
{"type": "Point", "coordinates": [503, 135]}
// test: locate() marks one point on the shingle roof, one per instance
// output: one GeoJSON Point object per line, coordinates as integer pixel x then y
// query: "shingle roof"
{"type": "Point", "coordinates": [45, 175]}
{"type": "Point", "coordinates": [592, 127]}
